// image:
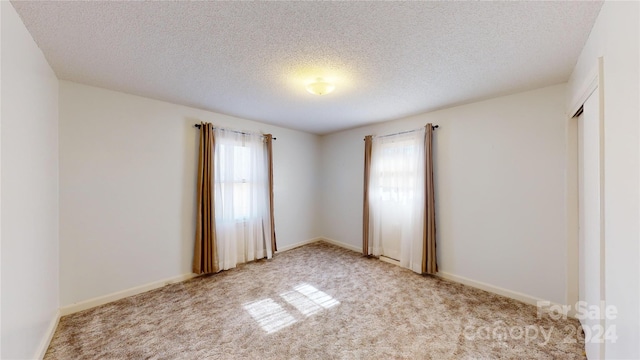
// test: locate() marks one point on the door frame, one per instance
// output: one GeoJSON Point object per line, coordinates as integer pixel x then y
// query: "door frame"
{"type": "Point", "coordinates": [592, 84]}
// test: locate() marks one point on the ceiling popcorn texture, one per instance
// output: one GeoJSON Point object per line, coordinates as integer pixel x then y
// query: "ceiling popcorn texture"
{"type": "Point", "coordinates": [254, 59]}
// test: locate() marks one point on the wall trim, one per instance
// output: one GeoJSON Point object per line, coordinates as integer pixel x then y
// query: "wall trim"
{"type": "Point", "coordinates": [44, 344]}
{"type": "Point", "coordinates": [525, 298]}
{"type": "Point", "coordinates": [342, 244]}
{"type": "Point", "coordinates": [528, 299]}
{"type": "Point", "coordinates": [105, 299]}
{"type": "Point", "coordinates": [321, 238]}
{"type": "Point", "coordinates": [571, 210]}
{"type": "Point", "coordinates": [298, 244]}
{"type": "Point", "coordinates": [587, 87]}
{"type": "Point", "coordinates": [389, 260]}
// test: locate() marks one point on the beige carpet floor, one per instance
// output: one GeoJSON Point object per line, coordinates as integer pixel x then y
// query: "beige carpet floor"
{"type": "Point", "coordinates": [318, 301]}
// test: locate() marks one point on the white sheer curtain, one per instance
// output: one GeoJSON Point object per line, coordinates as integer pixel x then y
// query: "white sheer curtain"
{"type": "Point", "coordinates": [241, 196]}
{"type": "Point", "coordinates": [396, 197]}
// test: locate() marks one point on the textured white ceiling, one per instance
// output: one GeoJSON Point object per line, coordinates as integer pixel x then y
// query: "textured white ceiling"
{"type": "Point", "coordinates": [252, 60]}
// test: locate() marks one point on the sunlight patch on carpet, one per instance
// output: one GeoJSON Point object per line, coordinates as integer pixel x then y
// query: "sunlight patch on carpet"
{"type": "Point", "coordinates": [309, 300]}
{"type": "Point", "coordinates": [269, 315]}
{"type": "Point", "coordinates": [301, 303]}
{"type": "Point", "coordinates": [272, 317]}
{"type": "Point", "coordinates": [319, 297]}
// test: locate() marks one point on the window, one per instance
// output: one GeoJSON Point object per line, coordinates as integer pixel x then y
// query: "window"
{"type": "Point", "coordinates": [241, 177]}
{"type": "Point", "coordinates": [396, 197]}
{"type": "Point", "coordinates": [396, 169]}
{"type": "Point", "coordinates": [236, 182]}
{"type": "Point", "coordinates": [235, 223]}
{"type": "Point", "coordinates": [241, 198]}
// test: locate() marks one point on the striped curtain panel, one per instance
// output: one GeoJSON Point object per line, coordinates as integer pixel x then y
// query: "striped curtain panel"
{"type": "Point", "coordinates": [429, 263]}
{"type": "Point", "coordinates": [368, 141]}
{"type": "Point", "coordinates": [205, 257]}
{"type": "Point", "coordinates": [269, 144]}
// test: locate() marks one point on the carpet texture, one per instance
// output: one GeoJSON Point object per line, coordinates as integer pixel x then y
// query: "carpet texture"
{"type": "Point", "coordinates": [318, 301]}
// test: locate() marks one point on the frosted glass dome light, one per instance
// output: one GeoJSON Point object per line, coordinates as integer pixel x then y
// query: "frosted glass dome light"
{"type": "Point", "coordinates": [320, 87]}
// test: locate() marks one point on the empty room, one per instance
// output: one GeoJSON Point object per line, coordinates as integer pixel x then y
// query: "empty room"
{"type": "Point", "coordinates": [319, 180]}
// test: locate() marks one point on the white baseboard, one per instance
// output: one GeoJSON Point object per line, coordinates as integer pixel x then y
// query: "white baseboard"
{"type": "Point", "coordinates": [44, 344]}
{"type": "Point", "coordinates": [101, 300]}
{"type": "Point", "coordinates": [105, 299]}
{"type": "Point", "coordinates": [525, 298]}
{"type": "Point", "coordinates": [320, 238]}
{"type": "Point", "coordinates": [298, 244]}
{"type": "Point", "coordinates": [528, 299]}
{"type": "Point", "coordinates": [341, 244]}
{"type": "Point", "coordinates": [389, 260]}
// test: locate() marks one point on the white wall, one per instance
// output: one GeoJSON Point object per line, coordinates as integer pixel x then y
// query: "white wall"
{"type": "Point", "coordinates": [499, 168]}
{"type": "Point", "coordinates": [615, 38]}
{"type": "Point", "coordinates": [29, 187]}
{"type": "Point", "coordinates": [127, 188]}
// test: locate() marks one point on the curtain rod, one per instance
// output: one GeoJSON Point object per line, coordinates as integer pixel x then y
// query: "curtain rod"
{"type": "Point", "coordinates": [233, 131]}
{"type": "Point", "coordinates": [406, 132]}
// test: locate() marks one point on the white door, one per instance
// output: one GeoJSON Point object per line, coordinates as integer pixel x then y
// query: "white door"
{"type": "Point", "coordinates": [590, 255]}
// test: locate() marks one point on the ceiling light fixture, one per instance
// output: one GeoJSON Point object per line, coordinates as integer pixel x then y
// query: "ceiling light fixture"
{"type": "Point", "coordinates": [320, 87]}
